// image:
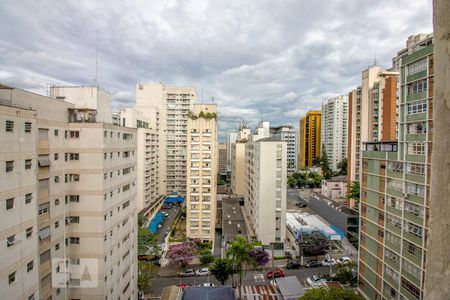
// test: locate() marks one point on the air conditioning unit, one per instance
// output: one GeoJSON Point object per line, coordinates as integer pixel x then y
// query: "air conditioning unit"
{"type": "Point", "coordinates": [10, 241]}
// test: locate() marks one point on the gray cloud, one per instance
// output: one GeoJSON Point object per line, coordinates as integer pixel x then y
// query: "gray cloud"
{"type": "Point", "coordinates": [267, 59]}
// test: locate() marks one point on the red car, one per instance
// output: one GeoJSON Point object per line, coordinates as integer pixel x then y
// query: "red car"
{"type": "Point", "coordinates": [278, 273]}
{"type": "Point", "coordinates": [183, 285]}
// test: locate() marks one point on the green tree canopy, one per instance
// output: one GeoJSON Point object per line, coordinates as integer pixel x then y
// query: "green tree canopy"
{"type": "Point", "coordinates": [206, 258]}
{"type": "Point", "coordinates": [342, 166]}
{"type": "Point", "coordinates": [239, 253]}
{"type": "Point", "coordinates": [147, 271]}
{"type": "Point", "coordinates": [325, 164]}
{"type": "Point", "coordinates": [147, 242]}
{"type": "Point", "coordinates": [292, 182]}
{"type": "Point", "coordinates": [331, 294]}
{"type": "Point", "coordinates": [354, 190]}
{"type": "Point", "coordinates": [222, 269]}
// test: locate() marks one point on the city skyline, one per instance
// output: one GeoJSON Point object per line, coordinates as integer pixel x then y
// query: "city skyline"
{"type": "Point", "coordinates": [245, 65]}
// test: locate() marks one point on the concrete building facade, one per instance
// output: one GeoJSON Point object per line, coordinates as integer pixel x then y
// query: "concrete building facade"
{"type": "Point", "coordinates": [172, 105]}
{"type": "Point", "coordinates": [288, 134]}
{"type": "Point", "coordinates": [238, 168]}
{"type": "Point", "coordinates": [231, 138]}
{"type": "Point", "coordinates": [222, 157]}
{"type": "Point", "coordinates": [309, 138]}
{"type": "Point", "coordinates": [265, 195]}
{"type": "Point", "coordinates": [83, 202]}
{"type": "Point", "coordinates": [334, 129]}
{"type": "Point", "coordinates": [395, 189]}
{"type": "Point", "coordinates": [201, 182]}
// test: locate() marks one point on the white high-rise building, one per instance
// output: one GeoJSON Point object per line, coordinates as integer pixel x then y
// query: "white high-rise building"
{"type": "Point", "coordinates": [202, 172]}
{"type": "Point", "coordinates": [262, 131]}
{"type": "Point", "coordinates": [334, 129]}
{"type": "Point", "coordinates": [265, 196]}
{"type": "Point", "coordinates": [173, 104]}
{"type": "Point", "coordinates": [288, 134]}
{"type": "Point", "coordinates": [69, 188]}
{"type": "Point", "coordinates": [148, 195]}
{"type": "Point", "coordinates": [231, 138]}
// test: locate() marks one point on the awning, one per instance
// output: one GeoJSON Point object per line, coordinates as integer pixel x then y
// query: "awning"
{"type": "Point", "coordinates": [44, 233]}
{"type": "Point", "coordinates": [44, 161]}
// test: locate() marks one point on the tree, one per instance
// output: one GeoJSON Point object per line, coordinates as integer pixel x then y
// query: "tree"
{"type": "Point", "coordinates": [345, 273]}
{"type": "Point", "coordinates": [354, 190]}
{"type": "Point", "coordinates": [314, 180]}
{"type": "Point", "coordinates": [316, 161]}
{"type": "Point", "coordinates": [206, 258]}
{"type": "Point", "coordinates": [146, 272]}
{"type": "Point", "coordinates": [301, 179]}
{"type": "Point", "coordinates": [331, 294]}
{"type": "Point", "coordinates": [201, 114]}
{"type": "Point", "coordinates": [325, 164]}
{"type": "Point", "coordinates": [342, 166]}
{"type": "Point", "coordinates": [315, 244]}
{"type": "Point", "coordinates": [222, 269]}
{"type": "Point", "coordinates": [239, 253]}
{"type": "Point", "coordinates": [292, 182]}
{"type": "Point", "coordinates": [259, 257]}
{"type": "Point", "coordinates": [181, 254]}
{"type": "Point", "coordinates": [141, 220]}
{"type": "Point", "coordinates": [147, 241]}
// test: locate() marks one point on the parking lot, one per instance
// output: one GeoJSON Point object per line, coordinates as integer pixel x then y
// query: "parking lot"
{"type": "Point", "coordinates": [166, 225]}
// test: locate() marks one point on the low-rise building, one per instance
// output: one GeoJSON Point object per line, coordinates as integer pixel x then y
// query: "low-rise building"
{"type": "Point", "coordinates": [335, 188]}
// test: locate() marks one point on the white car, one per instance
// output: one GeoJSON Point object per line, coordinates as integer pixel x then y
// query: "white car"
{"type": "Point", "coordinates": [315, 281]}
{"type": "Point", "coordinates": [344, 260]}
{"type": "Point", "coordinates": [202, 272]}
{"type": "Point", "coordinates": [328, 262]}
{"type": "Point", "coordinates": [206, 284]}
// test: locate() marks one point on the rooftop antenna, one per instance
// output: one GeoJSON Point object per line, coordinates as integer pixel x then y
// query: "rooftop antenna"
{"type": "Point", "coordinates": [212, 99]}
{"type": "Point", "coordinates": [375, 59]}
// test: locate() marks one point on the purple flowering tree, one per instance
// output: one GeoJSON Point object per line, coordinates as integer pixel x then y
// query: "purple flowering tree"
{"type": "Point", "coordinates": [260, 257]}
{"type": "Point", "coordinates": [181, 254]}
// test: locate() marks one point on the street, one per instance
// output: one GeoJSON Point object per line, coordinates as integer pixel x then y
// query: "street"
{"type": "Point", "coordinates": [165, 226]}
{"type": "Point", "coordinates": [159, 283]}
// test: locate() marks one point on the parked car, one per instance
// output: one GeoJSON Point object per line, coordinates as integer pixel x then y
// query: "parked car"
{"type": "Point", "coordinates": [315, 281]}
{"type": "Point", "coordinates": [206, 284]}
{"type": "Point", "coordinates": [344, 260]}
{"type": "Point", "coordinates": [187, 273]}
{"type": "Point", "coordinates": [167, 205]}
{"type": "Point", "coordinates": [278, 273]}
{"type": "Point", "coordinates": [293, 265]}
{"type": "Point", "coordinates": [202, 272]}
{"type": "Point", "coordinates": [313, 264]}
{"type": "Point", "coordinates": [183, 285]}
{"type": "Point", "coordinates": [328, 262]}
{"type": "Point", "coordinates": [301, 205]}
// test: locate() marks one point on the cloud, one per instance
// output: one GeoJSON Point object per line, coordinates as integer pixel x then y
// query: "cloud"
{"type": "Point", "coordinates": [258, 59]}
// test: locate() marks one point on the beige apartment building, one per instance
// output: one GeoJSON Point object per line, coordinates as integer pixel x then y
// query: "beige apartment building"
{"type": "Point", "coordinates": [83, 199]}
{"type": "Point", "coordinates": [222, 157]}
{"type": "Point", "coordinates": [372, 114]}
{"type": "Point", "coordinates": [201, 172]}
{"type": "Point", "coordinates": [265, 195]}
{"type": "Point", "coordinates": [171, 104]}
{"type": "Point", "coordinates": [238, 186]}
{"type": "Point", "coordinates": [149, 198]}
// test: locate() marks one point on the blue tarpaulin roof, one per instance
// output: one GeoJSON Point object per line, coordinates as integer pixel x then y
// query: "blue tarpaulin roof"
{"type": "Point", "coordinates": [155, 222]}
{"type": "Point", "coordinates": [174, 200]}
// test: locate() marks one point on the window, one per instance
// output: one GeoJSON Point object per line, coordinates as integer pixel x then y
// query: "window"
{"type": "Point", "coordinates": [72, 156]}
{"type": "Point", "coordinates": [417, 107]}
{"type": "Point", "coordinates": [395, 185]}
{"type": "Point", "coordinates": [126, 204]}
{"type": "Point", "coordinates": [415, 189]}
{"type": "Point", "coordinates": [29, 232]}
{"type": "Point", "coordinates": [414, 209]}
{"type": "Point", "coordinates": [72, 177]}
{"type": "Point", "coordinates": [416, 148]}
{"type": "Point", "coordinates": [417, 86]}
{"type": "Point", "coordinates": [74, 134]}
{"type": "Point", "coordinates": [415, 169]}
{"type": "Point", "coordinates": [395, 166]}
{"type": "Point", "coordinates": [74, 198]}
{"type": "Point", "coordinates": [414, 229]}
{"type": "Point", "coordinates": [28, 164]}
{"type": "Point", "coordinates": [9, 166]}
{"type": "Point", "coordinates": [105, 155]}
{"type": "Point", "coordinates": [9, 203]}
{"type": "Point", "coordinates": [57, 247]}
{"type": "Point", "coordinates": [416, 127]}
{"type": "Point", "coordinates": [56, 132]}
{"type": "Point", "coordinates": [56, 224]}
{"type": "Point", "coordinates": [28, 198]}
{"type": "Point", "coordinates": [9, 126]}
{"type": "Point", "coordinates": [56, 156]}
{"type": "Point", "coordinates": [75, 240]}
{"type": "Point", "coordinates": [417, 66]}
{"type": "Point", "coordinates": [44, 208]}
{"type": "Point", "coordinates": [74, 219]}
{"type": "Point", "coordinates": [126, 187]}
{"type": "Point", "coordinates": [31, 297]}
{"type": "Point", "coordinates": [27, 127]}
{"type": "Point", "coordinates": [56, 179]}
{"type": "Point", "coordinates": [30, 266]}
{"type": "Point", "coordinates": [11, 240]}
{"type": "Point", "coordinates": [12, 278]}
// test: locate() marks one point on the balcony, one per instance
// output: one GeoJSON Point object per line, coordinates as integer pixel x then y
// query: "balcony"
{"type": "Point", "coordinates": [389, 146]}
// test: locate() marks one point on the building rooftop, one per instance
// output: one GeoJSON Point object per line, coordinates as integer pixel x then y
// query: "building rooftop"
{"type": "Point", "coordinates": [208, 293]}
{"type": "Point", "coordinates": [290, 288]}
{"type": "Point", "coordinates": [269, 139]}
{"type": "Point", "coordinates": [259, 292]}
{"type": "Point", "coordinates": [336, 205]}
{"type": "Point", "coordinates": [233, 222]}
{"type": "Point", "coordinates": [341, 178]}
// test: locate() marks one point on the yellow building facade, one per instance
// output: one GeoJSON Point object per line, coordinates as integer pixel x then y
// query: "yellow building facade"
{"type": "Point", "coordinates": [309, 138]}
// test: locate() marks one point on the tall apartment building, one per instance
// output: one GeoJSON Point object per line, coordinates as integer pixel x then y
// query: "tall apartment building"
{"type": "Point", "coordinates": [238, 168]}
{"type": "Point", "coordinates": [265, 195]}
{"type": "Point", "coordinates": [309, 138]}
{"type": "Point", "coordinates": [75, 208]}
{"type": "Point", "coordinates": [334, 129]}
{"type": "Point", "coordinates": [147, 169]}
{"type": "Point", "coordinates": [222, 157]}
{"type": "Point", "coordinates": [231, 138]}
{"type": "Point", "coordinates": [372, 114]}
{"type": "Point", "coordinates": [202, 172]}
{"type": "Point", "coordinates": [288, 134]}
{"type": "Point", "coordinates": [395, 194]}
{"type": "Point", "coordinates": [172, 105]}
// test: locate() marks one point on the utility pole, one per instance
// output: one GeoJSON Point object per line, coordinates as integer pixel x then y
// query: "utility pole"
{"type": "Point", "coordinates": [329, 255]}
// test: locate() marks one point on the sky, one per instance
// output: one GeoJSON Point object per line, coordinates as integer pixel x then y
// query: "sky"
{"type": "Point", "coordinates": [258, 60]}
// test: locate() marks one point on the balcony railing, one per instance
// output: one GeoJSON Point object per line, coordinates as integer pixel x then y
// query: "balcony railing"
{"type": "Point", "coordinates": [389, 146]}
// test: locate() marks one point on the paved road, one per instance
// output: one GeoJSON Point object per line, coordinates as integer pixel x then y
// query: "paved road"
{"type": "Point", "coordinates": [159, 283]}
{"type": "Point", "coordinates": [165, 226]}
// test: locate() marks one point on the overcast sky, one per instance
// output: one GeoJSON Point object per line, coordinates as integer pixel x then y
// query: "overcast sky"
{"type": "Point", "coordinates": [270, 59]}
